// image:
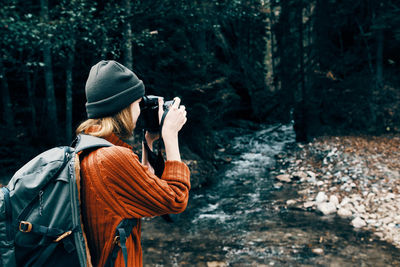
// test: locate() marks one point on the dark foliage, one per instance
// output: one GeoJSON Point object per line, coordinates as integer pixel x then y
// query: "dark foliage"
{"type": "Point", "coordinates": [335, 64]}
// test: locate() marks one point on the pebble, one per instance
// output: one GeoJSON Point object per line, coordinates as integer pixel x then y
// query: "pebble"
{"type": "Point", "coordinates": [284, 178]}
{"type": "Point", "coordinates": [318, 251]}
{"type": "Point", "coordinates": [334, 200]}
{"type": "Point", "coordinates": [345, 201]}
{"type": "Point", "coordinates": [361, 186]}
{"type": "Point", "coordinates": [344, 213]}
{"type": "Point", "coordinates": [309, 204]}
{"type": "Point", "coordinates": [300, 174]}
{"type": "Point", "coordinates": [311, 174]}
{"type": "Point", "coordinates": [216, 264]}
{"type": "Point", "coordinates": [358, 222]}
{"type": "Point", "coordinates": [321, 197]}
{"type": "Point", "coordinates": [326, 208]}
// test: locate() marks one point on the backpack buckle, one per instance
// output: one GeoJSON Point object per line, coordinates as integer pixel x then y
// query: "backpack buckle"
{"type": "Point", "coordinates": [64, 235]}
{"type": "Point", "coordinates": [25, 226]}
{"type": "Point", "coordinates": [116, 240]}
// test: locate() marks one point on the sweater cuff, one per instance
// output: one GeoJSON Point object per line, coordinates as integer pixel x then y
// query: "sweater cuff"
{"type": "Point", "coordinates": [177, 171]}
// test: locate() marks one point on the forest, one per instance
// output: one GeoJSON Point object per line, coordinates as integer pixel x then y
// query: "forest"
{"type": "Point", "coordinates": [331, 66]}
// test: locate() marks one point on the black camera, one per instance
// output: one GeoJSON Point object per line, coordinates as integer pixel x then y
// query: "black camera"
{"type": "Point", "coordinates": [149, 112]}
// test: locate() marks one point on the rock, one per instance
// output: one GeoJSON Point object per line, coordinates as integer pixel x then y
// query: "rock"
{"type": "Point", "coordinates": [227, 159]}
{"type": "Point", "coordinates": [345, 179]}
{"type": "Point", "coordinates": [309, 204]}
{"type": "Point", "coordinates": [387, 220]}
{"type": "Point", "coordinates": [318, 251]}
{"type": "Point", "coordinates": [291, 202]}
{"type": "Point", "coordinates": [284, 178]}
{"type": "Point", "coordinates": [333, 199]}
{"type": "Point", "coordinates": [312, 180]}
{"type": "Point", "coordinates": [359, 208]}
{"type": "Point", "coordinates": [358, 222]}
{"type": "Point", "coordinates": [216, 264]}
{"type": "Point", "coordinates": [344, 213]}
{"type": "Point", "coordinates": [303, 192]}
{"type": "Point", "coordinates": [311, 174]}
{"type": "Point", "coordinates": [321, 197]}
{"type": "Point", "coordinates": [326, 208]}
{"type": "Point", "coordinates": [345, 201]}
{"type": "Point", "coordinates": [332, 189]}
{"type": "Point", "coordinates": [390, 196]}
{"type": "Point", "coordinates": [300, 175]}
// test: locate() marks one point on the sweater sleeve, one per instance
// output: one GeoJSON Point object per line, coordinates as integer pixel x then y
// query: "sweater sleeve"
{"type": "Point", "coordinates": [139, 192]}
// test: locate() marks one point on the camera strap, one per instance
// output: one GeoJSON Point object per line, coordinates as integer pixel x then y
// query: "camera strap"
{"type": "Point", "coordinates": [155, 160]}
{"type": "Point", "coordinates": [162, 120]}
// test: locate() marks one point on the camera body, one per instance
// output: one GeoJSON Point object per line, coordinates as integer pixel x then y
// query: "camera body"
{"type": "Point", "coordinates": [149, 112]}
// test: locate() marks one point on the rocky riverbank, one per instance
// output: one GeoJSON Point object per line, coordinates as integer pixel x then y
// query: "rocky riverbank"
{"type": "Point", "coordinates": [356, 178]}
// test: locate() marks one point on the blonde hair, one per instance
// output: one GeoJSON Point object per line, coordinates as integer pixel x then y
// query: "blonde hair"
{"type": "Point", "coordinates": [121, 124]}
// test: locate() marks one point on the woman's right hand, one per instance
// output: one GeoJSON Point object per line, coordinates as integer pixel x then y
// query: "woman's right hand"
{"type": "Point", "coordinates": [174, 120]}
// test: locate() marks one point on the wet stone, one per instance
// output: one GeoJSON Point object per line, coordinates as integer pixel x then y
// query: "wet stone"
{"type": "Point", "coordinates": [326, 208]}
{"type": "Point", "coordinates": [344, 213]}
{"type": "Point", "coordinates": [318, 251]}
{"type": "Point", "coordinates": [358, 222]}
{"type": "Point", "coordinates": [321, 197]}
{"type": "Point", "coordinates": [284, 178]}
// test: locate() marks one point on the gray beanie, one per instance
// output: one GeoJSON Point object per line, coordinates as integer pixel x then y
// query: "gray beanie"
{"type": "Point", "coordinates": [110, 88]}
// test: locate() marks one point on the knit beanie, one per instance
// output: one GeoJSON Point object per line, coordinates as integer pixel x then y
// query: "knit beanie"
{"type": "Point", "coordinates": [110, 88]}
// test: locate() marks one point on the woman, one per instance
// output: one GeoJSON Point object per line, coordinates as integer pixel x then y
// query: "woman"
{"type": "Point", "coordinates": [115, 185]}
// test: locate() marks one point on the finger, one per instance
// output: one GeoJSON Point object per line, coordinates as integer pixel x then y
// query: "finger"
{"type": "Point", "coordinates": [160, 102]}
{"type": "Point", "coordinates": [182, 107]}
{"type": "Point", "coordinates": [177, 102]}
{"type": "Point", "coordinates": [160, 107]}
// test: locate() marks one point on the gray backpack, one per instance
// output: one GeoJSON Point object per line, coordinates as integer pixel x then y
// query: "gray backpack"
{"type": "Point", "coordinates": [40, 218]}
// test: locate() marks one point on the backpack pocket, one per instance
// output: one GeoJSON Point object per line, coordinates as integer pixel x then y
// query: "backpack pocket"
{"type": "Point", "coordinates": [48, 209]}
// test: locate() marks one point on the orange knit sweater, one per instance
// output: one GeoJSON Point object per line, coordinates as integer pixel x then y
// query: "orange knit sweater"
{"type": "Point", "coordinates": [115, 185]}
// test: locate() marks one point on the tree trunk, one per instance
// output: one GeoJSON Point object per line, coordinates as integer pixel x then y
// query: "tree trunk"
{"type": "Point", "coordinates": [127, 36]}
{"type": "Point", "coordinates": [379, 58]}
{"type": "Point", "coordinates": [68, 94]}
{"type": "Point", "coordinates": [8, 115]}
{"type": "Point", "coordinates": [268, 59]}
{"type": "Point", "coordinates": [222, 42]}
{"type": "Point", "coordinates": [302, 133]}
{"type": "Point", "coordinates": [322, 24]}
{"type": "Point", "coordinates": [51, 131]}
{"type": "Point", "coordinates": [30, 86]}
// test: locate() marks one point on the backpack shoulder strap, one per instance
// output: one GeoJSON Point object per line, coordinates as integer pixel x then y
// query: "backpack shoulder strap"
{"type": "Point", "coordinates": [122, 232]}
{"type": "Point", "coordinates": [85, 142]}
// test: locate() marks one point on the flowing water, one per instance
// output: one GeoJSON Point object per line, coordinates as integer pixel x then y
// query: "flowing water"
{"type": "Point", "coordinates": [240, 221]}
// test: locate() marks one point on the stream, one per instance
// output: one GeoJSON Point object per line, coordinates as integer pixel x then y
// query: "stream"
{"type": "Point", "coordinates": [241, 220]}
